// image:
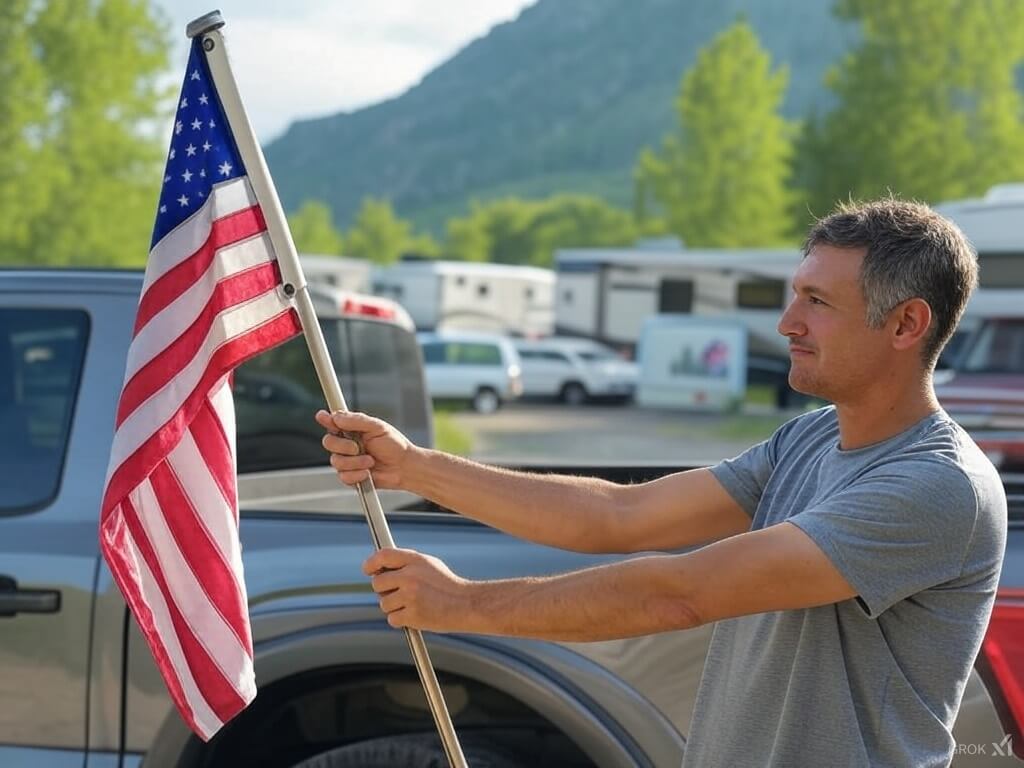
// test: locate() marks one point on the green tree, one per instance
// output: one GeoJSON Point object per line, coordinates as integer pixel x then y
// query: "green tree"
{"type": "Point", "coordinates": [514, 231]}
{"type": "Point", "coordinates": [80, 156]}
{"type": "Point", "coordinates": [928, 104]}
{"type": "Point", "coordinates": [721, 178]}
{"type": "Point", "coordinates": [313, 229]}
{"type": "Point", "coordinates": [379, 235]}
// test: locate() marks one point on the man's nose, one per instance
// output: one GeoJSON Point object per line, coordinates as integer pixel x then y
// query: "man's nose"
{"type": "Point", "coordinates": [790, 323]}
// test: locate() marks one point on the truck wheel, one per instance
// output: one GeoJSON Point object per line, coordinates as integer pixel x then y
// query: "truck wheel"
{"type": "Point", "coordinates": [407, 751]}
{"type": "Point", "coordinates": [573, 393]}
{"type": "Point", "coordinates": [486, 400]}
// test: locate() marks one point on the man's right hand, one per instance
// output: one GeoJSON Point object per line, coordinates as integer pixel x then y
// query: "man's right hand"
{"type": "Point", "coordinates": [385, 449]}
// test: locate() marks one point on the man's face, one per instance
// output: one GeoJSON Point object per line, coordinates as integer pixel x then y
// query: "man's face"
{"type": "Point", "coordinates": [833, 353]}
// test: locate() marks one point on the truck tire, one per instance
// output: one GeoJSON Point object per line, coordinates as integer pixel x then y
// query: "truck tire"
{"type": "Point", "coordinates": [486, 400]}
{"type": "Point", "coordinates": [412, 750]}
{"type": "Point", "coordinates": [574, 393]}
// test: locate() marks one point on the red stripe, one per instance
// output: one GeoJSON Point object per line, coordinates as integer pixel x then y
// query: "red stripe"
{"type": "Point", "coordinates": [171, 360]}
{"type": "Point", "coordinates": [220, 583]}
{"type": "Point", "coordinates": [215, 688]}
{"type": "Point", "coordinates": [223, 232]}
{"type": "Point", "coordinates": [136, 467]}
{"type": "Point", "coordinates": [119, 553]}
{"type": "Point", "coordinates": [208, 432]}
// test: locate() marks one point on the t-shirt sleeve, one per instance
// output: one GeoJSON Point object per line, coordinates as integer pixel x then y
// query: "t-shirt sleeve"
{"type": "Point", "coordinates": [896, 531]}
{"type": "Point", "coordinates": [745, 476]}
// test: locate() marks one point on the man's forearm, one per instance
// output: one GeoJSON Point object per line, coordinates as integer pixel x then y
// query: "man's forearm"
{"type": "Point", "coordinates": [634, 597]}
{"type": "Point", "coordinates": [574, 513]}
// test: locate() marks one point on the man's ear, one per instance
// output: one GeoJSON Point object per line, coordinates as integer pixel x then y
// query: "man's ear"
{"type": "Point", "coordinates": [910, 322]}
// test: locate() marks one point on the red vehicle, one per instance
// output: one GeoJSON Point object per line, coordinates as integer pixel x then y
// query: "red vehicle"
{"type": "Point", "coordinates": [983, 388]}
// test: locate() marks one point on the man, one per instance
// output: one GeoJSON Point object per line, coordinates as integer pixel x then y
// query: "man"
{"type": "Point", "coordinates": [851, 560]}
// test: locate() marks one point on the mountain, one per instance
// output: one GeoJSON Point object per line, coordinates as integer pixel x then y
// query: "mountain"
{"type": "Point", "coordinates": [560, 99]}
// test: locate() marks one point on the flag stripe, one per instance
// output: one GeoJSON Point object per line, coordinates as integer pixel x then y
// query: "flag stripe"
{"type": "Point", "coordinates": [163, 369]}
{"type": "Point", "coordinates": [182, 312]}
{"type": "Point", "coordinates": [202, 573]}
{"type": "Point", "coordinates": [134, 455]}
{"type": "Point", "coordinates": [215, 690]}
{"type": "Point", "coordinates": [227, 231]}
{"type": "Point", "coordinates": [224, 199]}
{"type": "Point", "coordinates": [212, 448]}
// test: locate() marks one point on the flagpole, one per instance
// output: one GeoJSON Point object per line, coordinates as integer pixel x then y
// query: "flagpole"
{"type": "Point", "coordinates": [208, 28]}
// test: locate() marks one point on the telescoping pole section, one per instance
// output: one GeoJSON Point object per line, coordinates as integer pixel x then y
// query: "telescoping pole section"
{"type": "Point", "coordinates": [208, 29]}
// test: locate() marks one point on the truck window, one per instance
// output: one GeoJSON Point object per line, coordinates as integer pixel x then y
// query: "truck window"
{"type": "Point", "coordinates": [389, 377]}
{"type": "Point", "coordinates": [276, 395]}
{"type": "Point", "coordinates": [41, 355]}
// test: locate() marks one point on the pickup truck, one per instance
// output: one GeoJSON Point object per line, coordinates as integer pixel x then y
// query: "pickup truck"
{"type": "Point", "coordinates": [78, 686]}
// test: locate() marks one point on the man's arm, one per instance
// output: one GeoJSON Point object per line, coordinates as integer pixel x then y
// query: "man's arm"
{"type": "Point", "coordinates": [577, 513]}
{"type": "Point", "coordinates": [776, 568]}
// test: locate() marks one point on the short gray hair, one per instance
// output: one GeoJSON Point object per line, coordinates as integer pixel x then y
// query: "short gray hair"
{"type": "Point", "coordinates": [911, 252]}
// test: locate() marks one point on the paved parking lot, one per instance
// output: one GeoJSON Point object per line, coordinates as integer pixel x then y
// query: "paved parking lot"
{"type": "Point", "coordinates": [552, 432]}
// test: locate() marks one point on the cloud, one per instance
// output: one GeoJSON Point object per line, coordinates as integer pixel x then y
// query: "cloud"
{"type": "Point", "coordinates": [315, 57]}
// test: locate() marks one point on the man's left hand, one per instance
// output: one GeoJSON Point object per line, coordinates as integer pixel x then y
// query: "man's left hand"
{"type": "Point", "coordinates": [419, 591]}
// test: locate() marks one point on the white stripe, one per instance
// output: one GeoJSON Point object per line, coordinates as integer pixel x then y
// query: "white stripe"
{"type": "Point", "coordinates": [158, 409]}
{"type": "Point", "coordinates": [210, 629]}
{"type": "Point", "coordinates": [205, 718]}
{"type": "Point", "coordinates": [174, 319]}
{"type": "Point", "coordinates": [202, 490]}
{"type": "Point", "coordinates": [953, 392]}
{"type": "Point", "coordinates": [185, 239]}
{"type": "Point", "coordinates": [224, 406]}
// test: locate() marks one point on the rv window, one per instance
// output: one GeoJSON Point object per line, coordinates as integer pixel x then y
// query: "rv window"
{"type": "Point", "coordinates": [760, 294]}
{"type": "Point", "coordinates": [675, 296]}
{"type": "Point", "coordinates": [477, 354]}
{"type": "Point", "coordinates": [1000, 270]}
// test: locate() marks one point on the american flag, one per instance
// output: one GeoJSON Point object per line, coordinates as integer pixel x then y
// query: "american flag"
{"type": "Point", "coordinates": [169, 520]}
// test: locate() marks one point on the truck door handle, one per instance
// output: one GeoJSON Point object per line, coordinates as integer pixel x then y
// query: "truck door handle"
{"type": "Point", "coordinates": [14, 600]}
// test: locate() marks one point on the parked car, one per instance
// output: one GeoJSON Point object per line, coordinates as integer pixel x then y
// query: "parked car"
{"type": "Point", "coordinates": [575, 370]}
{"type": "Point", "coordinates": [481, 368]}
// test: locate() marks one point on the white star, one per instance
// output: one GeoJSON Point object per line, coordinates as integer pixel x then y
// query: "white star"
{"type": "Point", "coordinates": [211, 123]}
{"type": "Point", "coordinates": [207, 146]}
{"type": "Point", "coordinates": [183, 200]}
{"type": "Point", "coordinates": [166, 179]}
{"type": "Point", "coordinates": [225, 168]}
{"type": "Point", "coordinates": [171, 156]}
{"type": "Point", "coordinates": [196, 123]}
{"type": "Point", "coordinates": [163, 209]}
{"type": "Point", "coordinates": [177, 128]}
{"type": "Point", "coordinates": [200, 193]}
{"type": "Point", "coordinates": [203, 99]}
{"type": "Point", "coordinates": [184, 103]}
{"type": "Point", "coordinates": [187, 176]}
{"type": "Point", "coordinates": [202, 173]}
{"type": "Point", "coordinates": [190, 150]}
{"type": "Point", "coordinates": [195, 74]}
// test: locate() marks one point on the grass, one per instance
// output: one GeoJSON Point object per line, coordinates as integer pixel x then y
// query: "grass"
{"type": "Point", "coordinates": [448, 436]}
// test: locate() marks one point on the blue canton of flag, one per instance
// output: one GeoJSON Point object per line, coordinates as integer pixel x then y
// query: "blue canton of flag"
{"type": "Point", "coordinates": [202, 151]}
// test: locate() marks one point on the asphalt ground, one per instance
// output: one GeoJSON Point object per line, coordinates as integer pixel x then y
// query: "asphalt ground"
{"type": "Point", "coordinates": [528, 432]}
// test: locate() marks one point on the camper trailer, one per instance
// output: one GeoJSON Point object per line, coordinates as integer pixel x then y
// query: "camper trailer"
{"type": "Point", "coordinates": [498, 298]}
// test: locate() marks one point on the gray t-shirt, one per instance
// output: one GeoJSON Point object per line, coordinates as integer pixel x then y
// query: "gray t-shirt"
{"type": "Point", "coordinates": [917, 525]}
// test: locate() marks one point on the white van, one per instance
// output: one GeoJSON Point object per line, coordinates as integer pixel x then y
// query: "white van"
{"type": "Point", "coordinates": [575, 370]}
{"type": "Point", "coordinates": [482, 368]}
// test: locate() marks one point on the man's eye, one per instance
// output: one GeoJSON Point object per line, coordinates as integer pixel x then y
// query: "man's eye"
{"type": "Point", "coordinates": [815, 300]}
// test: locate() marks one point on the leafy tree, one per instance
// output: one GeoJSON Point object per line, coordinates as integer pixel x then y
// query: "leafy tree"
{"type": "Point", "coordinates": [721, 179]}
{"type": "Point", "coordinates": [928, 104]}
{"type": "Point", "coordinates": [514, 231]}
{"type": "Point", "coordinates": [313, 229]}
{"type": "Point", "coordinates": [379, 235]}
{"type": "Point", "coordinates": [79, 151]}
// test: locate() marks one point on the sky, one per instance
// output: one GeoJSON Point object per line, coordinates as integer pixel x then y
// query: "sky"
{"type": "Point", "coordinates": [309, 58]}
